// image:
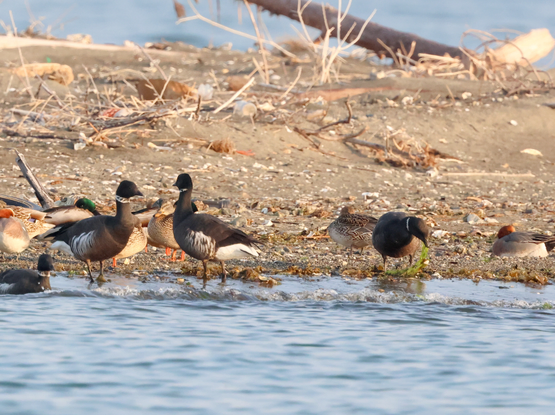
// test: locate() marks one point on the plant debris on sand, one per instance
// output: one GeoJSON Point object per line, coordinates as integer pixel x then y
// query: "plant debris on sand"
{"type": "Point", "coordinates": [279, 155]}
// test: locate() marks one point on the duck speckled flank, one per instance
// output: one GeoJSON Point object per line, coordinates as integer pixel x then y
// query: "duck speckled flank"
{"type": "Point", "coordinates": [205, 237]}
{"type": "Point", "coordinates": [33, 220]}
{"type": "Point", "coordinates": [521, 244]}
{"type": "Point", "coordinates": [352, 230]}
{"type": "Point", "coordinates": [14, 238]}
{"type": "Point", "coordinates": [25, 281]}
{"type": "Point", "coordinates": [137, 242]}
{"type": "Point", "coordinates": [99, 237]}
{"type": "Point", "coordinates": [160, 229]}
{"type": "Point", "coordinates": [397, 235]}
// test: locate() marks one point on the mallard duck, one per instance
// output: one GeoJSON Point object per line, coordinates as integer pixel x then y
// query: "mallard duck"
{"type": "Point", "coordinates": [205, 237]}
{"type": "Point", "coordinates": [14, 238]}
{"type": "Point", "coordinates": [33, 220]}
{"type": "Point", "coordinates": [25, 281]}
{"type": "Point", "coordinates": [521, 244]}
{"type": "Point", "coordinates": [352, 230]}
{"type": "Point", "coordinates": [99, 237]}
{"type": "Point", "coordinates": [137, 242]}
{"type": "Point", "coordinates": [160, 230]}
{"type": "Point", "coordinates": [82, 209]}
{"type": "Point", "coordinates": [397, 235]}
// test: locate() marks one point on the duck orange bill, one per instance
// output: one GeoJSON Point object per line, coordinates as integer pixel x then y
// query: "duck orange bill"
{"type": "Point", "coordinates": [245, 153]}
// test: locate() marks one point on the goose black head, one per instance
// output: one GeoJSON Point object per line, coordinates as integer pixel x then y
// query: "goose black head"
{"type": "Point", "coordinates": [418, 228]}
{"type": "Point", "coordinates": [184, 182]}
{"type": "Point", "coordinates": [45, 265]}
{"type": "Point", "coordinates": [127, 190]}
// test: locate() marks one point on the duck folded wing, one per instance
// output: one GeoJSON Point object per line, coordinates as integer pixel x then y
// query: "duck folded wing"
{"type": "Point", "coordinates": [531, 238]}
{"type": "Point", "coordinates": [71, 214]}
{"type": "Point", "coordinates": [361, 221]}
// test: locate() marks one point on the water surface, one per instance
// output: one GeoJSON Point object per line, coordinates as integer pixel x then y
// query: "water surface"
{"type": "Point", "coordinates": [325, 346]}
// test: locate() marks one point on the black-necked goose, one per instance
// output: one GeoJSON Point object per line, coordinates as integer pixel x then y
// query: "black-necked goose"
{"type": "Point", "coordinates": [14, 238]}
{"type": "Point", "coordinates": [25, 281]}
{"type": "Point", "coordinates": [205, 237]}
{"type": "Point", "coordinates": [397, 235]}
{"type": "Point", "coordinates": [352, 230]}
{"type": "Point", "coordinates": [160, 229]}
{"type": "Point", "coordinates": [100, 237]}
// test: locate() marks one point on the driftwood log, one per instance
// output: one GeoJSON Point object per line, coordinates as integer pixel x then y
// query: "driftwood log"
{"type": "Point", "coordinates": [313, 16]}
{"type": "Point", "coordinates": [44, 199]}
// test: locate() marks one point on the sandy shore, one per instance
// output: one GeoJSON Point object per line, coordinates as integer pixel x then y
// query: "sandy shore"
{"type": "Point", "coordinates": [286, 189]}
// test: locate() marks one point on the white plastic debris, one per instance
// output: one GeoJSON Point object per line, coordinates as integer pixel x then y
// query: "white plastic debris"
{"type": "Point", "coordinates": [532, 152]}
{"type": "Point", "coordinates": [79, 145]}
{"type": "Point", "coordinates": [158, 148]}
{"type": "Point", "coordinates": [244, 109]}
{"type": "Point", "coordinates": [205, 91]}
{"type": "Point", "coordinates": [439, 233]}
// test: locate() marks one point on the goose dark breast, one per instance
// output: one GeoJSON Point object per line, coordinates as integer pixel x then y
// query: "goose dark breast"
{"type": "Point", "coordinates": [97, 238]}
{"type": "Point", "coordinates": [22, 281]}
{"type": "Point", "coordinates": [202, 235]}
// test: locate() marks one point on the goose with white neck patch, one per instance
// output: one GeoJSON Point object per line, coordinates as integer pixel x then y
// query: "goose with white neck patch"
{"type": "Point", "coordinates": [26, 281]}
{"type": "Point", "coordinates": [205, 237]}
{"type": "Point", "coordinates": [397, 235]}
{"type": "Point", "coordinates": [101, 237]}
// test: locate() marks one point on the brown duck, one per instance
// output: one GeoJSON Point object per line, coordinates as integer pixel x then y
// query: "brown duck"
{"type": "Point", "coordinates": [352, 230]}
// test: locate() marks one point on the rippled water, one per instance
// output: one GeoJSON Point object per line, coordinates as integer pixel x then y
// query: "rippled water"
{"type": "Point", "coordinates": [323, 347]}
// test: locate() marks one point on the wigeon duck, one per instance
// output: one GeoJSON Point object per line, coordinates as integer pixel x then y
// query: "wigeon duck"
{"type": "Point", "coordinates": [520, 244]}
{"type": "Point", "coordinates": [352, 230]}
{"type": "Point", "coordinates": [25, 281]}
{"type": "Point", "coordinates": [205, 237]}
{"type": "Point", "coordinates": [14, 238]}
{"type": "Point", "coordinates": [397, 235]}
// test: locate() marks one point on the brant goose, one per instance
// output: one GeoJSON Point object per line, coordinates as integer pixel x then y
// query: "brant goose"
{"type": "Point", "coordinates": [205, 237]}
{"type": "Point", "coordinates": [520, 244]}
{"type": "Point", "coordinates": [352, 230]}
{"type": "Point", "coordinates": [160, 229]}
{"type": "Point", "coordinates": [99, 237]}
{"type": "Point", "coordinates": [397, 235]}
{"type": "Point", "coordinates": [14, 238]}
{"type": "Point", "coordinates": [25, 281]}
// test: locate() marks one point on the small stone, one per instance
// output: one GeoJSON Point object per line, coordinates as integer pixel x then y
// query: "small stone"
{"type": "Point", "coordinates": [472, 219]}
{"type": "Point", "coordinates": [513, 122]}
{"type": "Point", "coordinates": [491, 220]}
{"type": "Point", "coordinates": [460, 249]}
{"type": "Point", "coordinates": [180, 280]}
{"type": "Point", "coordinates": [239, 221]}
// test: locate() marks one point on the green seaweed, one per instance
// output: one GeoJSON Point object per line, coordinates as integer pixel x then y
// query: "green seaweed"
{"type": "Point", "coordinates": [415, 269]}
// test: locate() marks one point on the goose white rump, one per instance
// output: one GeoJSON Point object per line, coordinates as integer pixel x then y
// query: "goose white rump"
{"type": "Point", "coordinates": [235, 251]}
